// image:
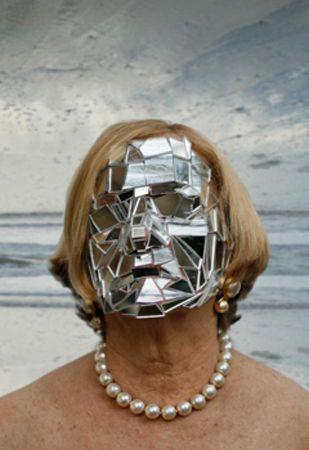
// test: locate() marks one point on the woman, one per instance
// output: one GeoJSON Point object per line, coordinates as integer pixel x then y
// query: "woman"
{"type": "Point", "coordinates": [160, 242]}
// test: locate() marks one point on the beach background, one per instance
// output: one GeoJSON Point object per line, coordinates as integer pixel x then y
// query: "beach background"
{"type": "Point", "coordinates": [237, 71]}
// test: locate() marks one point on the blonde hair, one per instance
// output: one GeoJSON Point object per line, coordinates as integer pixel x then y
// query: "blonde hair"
{"type": "Point", "coordinates": [68, 263]}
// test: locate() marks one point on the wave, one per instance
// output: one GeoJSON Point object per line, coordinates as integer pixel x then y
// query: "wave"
{"type": "Point", "coordinates": [15, 261]}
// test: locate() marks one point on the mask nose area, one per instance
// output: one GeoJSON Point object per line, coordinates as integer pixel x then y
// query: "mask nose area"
{"type": "Point", "coordinates": [146, 229]}
{"type": "Point", "coordinates": [139, 236]}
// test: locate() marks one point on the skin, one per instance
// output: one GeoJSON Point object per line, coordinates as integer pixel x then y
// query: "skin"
{"type": "Point", "coordinates": [164, 361]}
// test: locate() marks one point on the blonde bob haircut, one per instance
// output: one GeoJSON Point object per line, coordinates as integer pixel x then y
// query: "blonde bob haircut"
{"type": "Point", "coordinates": [68, 263]}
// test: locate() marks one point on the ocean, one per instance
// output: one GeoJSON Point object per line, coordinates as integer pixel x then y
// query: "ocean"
{"type": "Point", "coordinates": [273, 328]}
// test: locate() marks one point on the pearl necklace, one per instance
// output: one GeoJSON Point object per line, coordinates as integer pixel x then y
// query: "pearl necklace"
{"type": "Point", "coordinates": [167, 412]}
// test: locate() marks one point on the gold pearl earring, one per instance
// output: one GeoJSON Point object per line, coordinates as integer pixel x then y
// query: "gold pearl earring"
{"type": "Point", "coordinates": [221, 305]}
{"type": "Point", "coordinates": [230, 289]}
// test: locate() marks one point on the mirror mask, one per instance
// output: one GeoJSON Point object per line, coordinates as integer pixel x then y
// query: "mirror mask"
{"type": "Point", "coordinates": [156, 242]}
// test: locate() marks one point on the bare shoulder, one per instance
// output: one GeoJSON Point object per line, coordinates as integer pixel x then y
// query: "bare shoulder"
{"type": "Point", "coordinates": [24, 415]}
{"type": "Point", "coordinates": [18, 414]}
{"type": "Point", "coordinates": [29, 414]}
{"type": "Point", "coordinates": [269, 378]}
{"type": "Point", "coordinates": [282, 401]}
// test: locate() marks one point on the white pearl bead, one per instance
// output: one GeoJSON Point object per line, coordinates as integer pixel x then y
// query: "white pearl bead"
{"type": "Point", "coordinates": [100, 367]}
{"type": "Point", "coordinates": [105, 378]}
{"type": "Point", "coordinates": [168, 412]}
{"type": "Point", "coordinates": [217, 379]}
{"type": "Point", "coordinates": [137, 406]}
{"type": "Point", "coordinates": [100, 356]}
{"type": "Point", "coordinates": [100, 346]}
{"type": "Point", "coordinates": [224, 337]}
{"type": "Point", "coordinates": [184, 408]}
{"type": "Point", "coordinates": [123, 399]}
{"type": "Point", "coordinates": [223, 367]}
{"type": "Point", "coordinates": [112, 389]}
{"type": "Point", "coordinates": [198, 401]}
{"type": "Point", "coordinates": [152, 411]}
{"type": "Point", "coordinates": [226, 356]}
{"type": "Point", "coordinates": [210, 391]}
{"type": "Point", "coordinates": [226, 346]}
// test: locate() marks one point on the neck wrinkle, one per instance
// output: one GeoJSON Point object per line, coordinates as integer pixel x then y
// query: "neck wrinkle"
{"type": "Point", "coordinates": [163, 360]}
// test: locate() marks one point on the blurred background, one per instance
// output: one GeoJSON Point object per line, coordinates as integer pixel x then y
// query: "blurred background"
{"type": "Point", "coordinates": [235, 70]}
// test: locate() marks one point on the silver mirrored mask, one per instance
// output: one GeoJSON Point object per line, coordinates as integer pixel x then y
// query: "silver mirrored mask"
{"type": "Point", "coordinates": [155, 239]}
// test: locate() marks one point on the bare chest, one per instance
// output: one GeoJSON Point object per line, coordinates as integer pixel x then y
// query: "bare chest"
{"type": "Point", "coordinates": [197, 432]}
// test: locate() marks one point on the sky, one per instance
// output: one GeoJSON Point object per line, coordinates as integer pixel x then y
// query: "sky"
{"type": "Point", "coordinates": [236, 71]}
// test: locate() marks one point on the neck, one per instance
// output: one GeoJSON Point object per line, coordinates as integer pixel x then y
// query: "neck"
{"type": "Point", "coordinates": [163, 360]}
